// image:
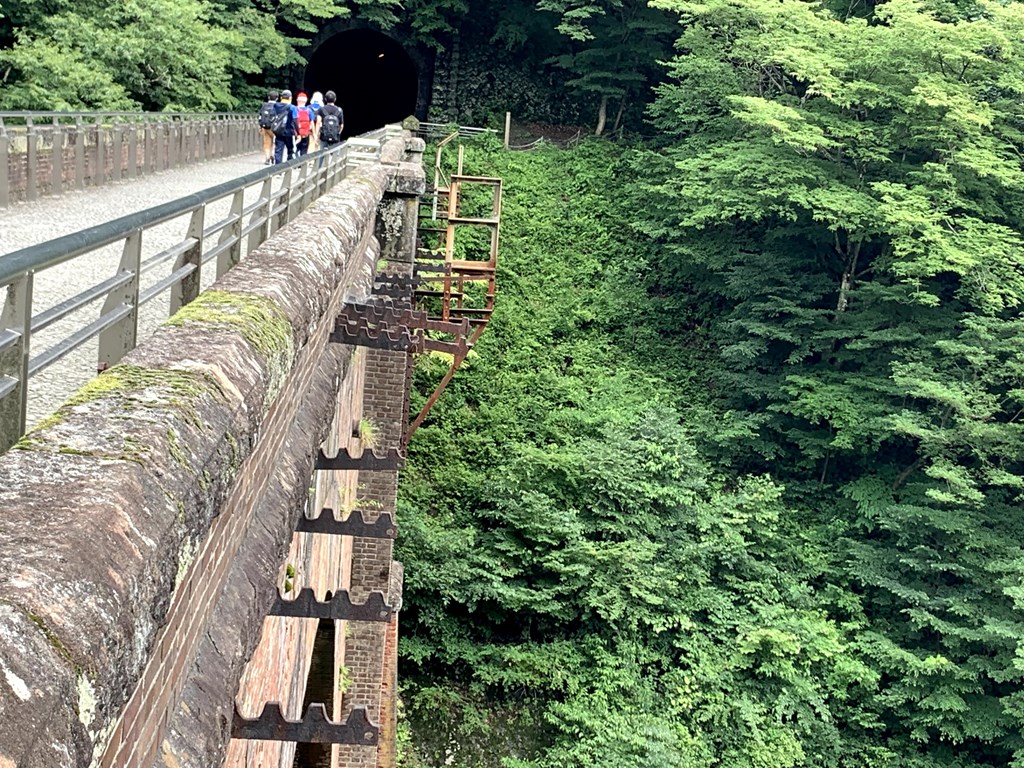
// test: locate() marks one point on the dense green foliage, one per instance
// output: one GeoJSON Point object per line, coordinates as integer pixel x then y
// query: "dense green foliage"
{"type": "Point", "coordinates": [735, 478]}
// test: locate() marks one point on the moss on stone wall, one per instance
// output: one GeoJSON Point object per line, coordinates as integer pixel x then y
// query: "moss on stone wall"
{"type": "Point", "coordinates": [144, 387]}
{"type": "Point", "coordinates": [258, 319]}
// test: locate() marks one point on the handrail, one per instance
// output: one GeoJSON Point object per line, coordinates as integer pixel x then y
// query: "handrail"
{"type": "Point", "coordinates": [52, 252]}
{"type": "Point", "coordinates": [439, 171]}
{"type": "Point", "coordinates": [46, 153]}
{"type": "Point", "coordinates": [60, 115]}
{"type": "Point", "coordinates": [431, 130]}
{"type": "Point", "coordinates": [122, 291]}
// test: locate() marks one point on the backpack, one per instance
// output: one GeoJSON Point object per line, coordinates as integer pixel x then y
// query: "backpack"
{"type": "Point", "coordinates": [279, 123]}
{"type": "Point", "coordinates": [266, 115]}
{"type": "Point", "coordinates": [330, 125]}
{"type": "Point", "coordinates": [304, 122]}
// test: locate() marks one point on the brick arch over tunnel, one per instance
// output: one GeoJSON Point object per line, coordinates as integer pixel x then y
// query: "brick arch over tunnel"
{"type": "Point", "coordinates": [375, 78]}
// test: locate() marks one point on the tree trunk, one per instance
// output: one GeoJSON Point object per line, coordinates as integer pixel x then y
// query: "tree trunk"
{"type": "Point", "coordinates": [618, 116]}
{"type": "Point", "coordinates": [602, 115]}
{"type": "Point", "coordinates": [846, 283]}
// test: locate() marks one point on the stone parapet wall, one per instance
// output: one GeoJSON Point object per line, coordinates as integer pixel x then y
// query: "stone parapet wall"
{"type": "Point", "coordinates": [143, 528]}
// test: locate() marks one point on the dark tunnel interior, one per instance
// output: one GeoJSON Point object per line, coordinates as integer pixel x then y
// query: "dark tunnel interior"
{"type": "Point", "coordinates": [373, 76]}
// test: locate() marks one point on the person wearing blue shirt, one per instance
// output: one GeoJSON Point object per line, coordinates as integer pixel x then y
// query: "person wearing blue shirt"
{"type": "Point", "coordinates": [283, 140]}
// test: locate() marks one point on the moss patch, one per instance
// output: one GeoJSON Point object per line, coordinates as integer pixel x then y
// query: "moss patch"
{"type": "Point", "coordinates": [142, 387]}
{"type": "Point", "coordinates": [257, 319]}
{"type": "Point", "coordinates": [52, 639]}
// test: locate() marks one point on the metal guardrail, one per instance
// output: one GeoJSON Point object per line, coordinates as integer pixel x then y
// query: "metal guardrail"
{"type": "Point", "coordinates": [431, 131]}
{"type": "Point", "coordinates": [117, 327]}
{"type": "Point", "coordinates": [94, 148]}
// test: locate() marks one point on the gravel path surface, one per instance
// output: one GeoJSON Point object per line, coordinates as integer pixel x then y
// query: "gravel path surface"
{"type": "Point", "coordinates": [27, 224]}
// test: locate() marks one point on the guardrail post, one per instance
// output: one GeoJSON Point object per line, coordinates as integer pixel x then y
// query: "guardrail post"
{"type": "Point", "coordinates": [16, 324]}
{"type": "Point", "coordinates": [121, 337]}
{"type": "Point", "coordinates": [79, 154]}
{"type": "Point", "coordinates": [32, 160]}
{"type": "Point", "coordinates": [99, 173]}
{"type": "Point", "coordinates": [183, 127]}
{"type": "Point", "coordinates": [133, 150]}
{"type": "Point", "coordinates": [147, 140]}
{"type": "Point", "coordinates": [262, 215]}
{"type": "Point", "coordinates": [341, 166]}
{"type": "Point", "coordinates": [163, 151]}
{"type": "Point", "coordinates": [186, 289]}
{"type": "Point", "coordinates": [232, 143]}
{"type": "Point", "coordinates": [286, 188]}
{"type": "Point", "coordinates": [176, 128]}
{"type": "Point", "coordinates": [295, 201]}
{"type": "Point", "coordinates": [5, 171]}
{"type": "Point", "coordinates": [56, 158]}
{"type": "Point", "coordinates": [229, 257]}
{"type": "Point", "coordinates": [116, 150]}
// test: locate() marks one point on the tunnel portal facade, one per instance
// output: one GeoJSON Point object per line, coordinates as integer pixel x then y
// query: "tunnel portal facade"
{"type": "Point", "coordinates": [377, 80]}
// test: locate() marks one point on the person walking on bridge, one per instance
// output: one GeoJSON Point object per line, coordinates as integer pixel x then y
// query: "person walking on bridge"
{"type": "Point", "coordinates": [266, 120]}
{"type": "Point", "coordinates": [284, 128]}
{"type": "Point", "coordinates": [330, 121]}
{"type": "Point", "coordinates": [304, 118]}
{"type": "Point", "coordinates": [315, 102]}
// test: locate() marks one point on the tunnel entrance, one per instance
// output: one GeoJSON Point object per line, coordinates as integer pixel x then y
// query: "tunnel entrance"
{"type": "Point", "coordinates": [374, 78]}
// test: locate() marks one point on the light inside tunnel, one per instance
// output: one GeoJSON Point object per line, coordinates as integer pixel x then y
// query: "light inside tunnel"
{"type": "Point", "coordinates": [374, 78]}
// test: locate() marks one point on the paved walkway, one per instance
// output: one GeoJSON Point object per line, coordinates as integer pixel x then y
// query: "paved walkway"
{"type": "Point", "coordinates": [25, 224]}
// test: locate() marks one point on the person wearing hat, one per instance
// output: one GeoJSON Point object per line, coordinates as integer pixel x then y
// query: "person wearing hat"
{"type": "Point", "coordinates": [304, 118]}
{"type": "Point", "coordinates": [284, 138]}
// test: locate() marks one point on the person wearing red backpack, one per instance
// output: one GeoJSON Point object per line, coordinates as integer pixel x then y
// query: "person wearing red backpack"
{"type": "Point", "coordinates": [304, 117]}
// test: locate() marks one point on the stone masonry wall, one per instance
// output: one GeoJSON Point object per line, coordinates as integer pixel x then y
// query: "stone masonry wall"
{"type": "Point", "coordinates": [142, 529]}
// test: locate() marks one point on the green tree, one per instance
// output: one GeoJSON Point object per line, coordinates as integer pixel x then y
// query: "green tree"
{"type": "Point", "coordinates": [614, 50]}
{"type": "Point", "coordinates": [845, 192]}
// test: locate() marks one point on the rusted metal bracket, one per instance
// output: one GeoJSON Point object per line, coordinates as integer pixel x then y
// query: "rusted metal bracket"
{"type": "Point", "coordinates": [396, 281]}
{"type": "Point", "coordinates": [354, 525]}
{"type": "Point", "coordinates": [338, 607]}
{"type": "Point", "coordinates": [360, 334]}
{"type": "Point", "coordinates": [385, 317]}
{"type": "Point", "coordinates": [394, 291]}
{"type": "Point", "coordinates": [395, 286]}
{"type": "Point", "coordinates": [393, 459]}
{"type": "Point", "coordinates": [314, 728]}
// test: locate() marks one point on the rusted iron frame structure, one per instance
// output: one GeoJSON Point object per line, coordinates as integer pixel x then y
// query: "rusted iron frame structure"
{"type": "Point", "coordinates": [456, 275]}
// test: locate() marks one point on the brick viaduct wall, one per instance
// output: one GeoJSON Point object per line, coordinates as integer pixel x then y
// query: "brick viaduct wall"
{"type": "Point", "coordinates": [145, 528]}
